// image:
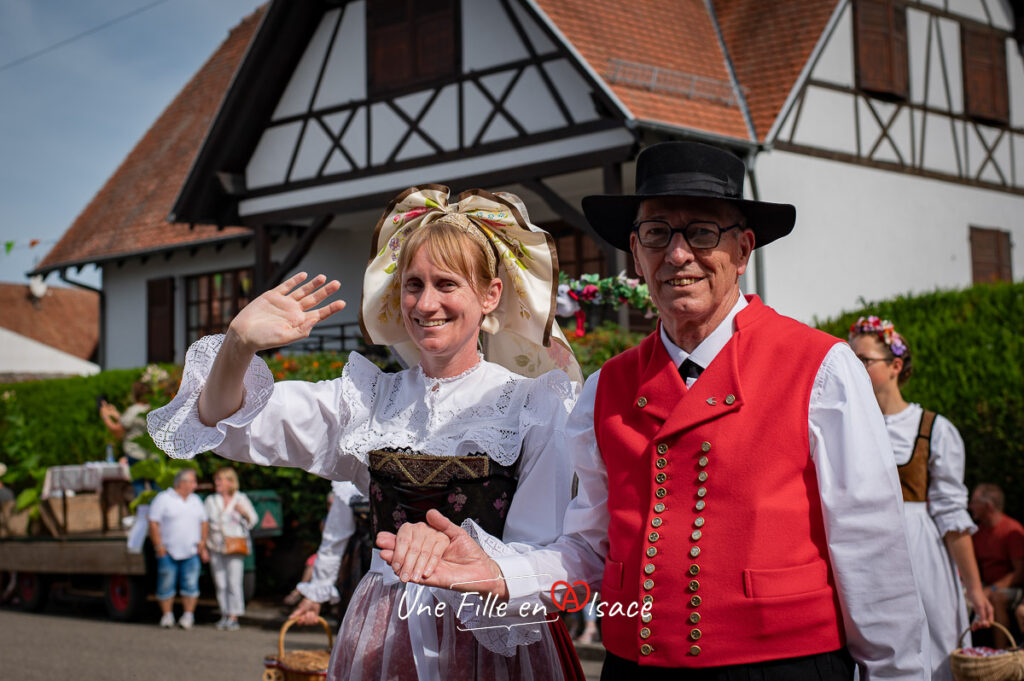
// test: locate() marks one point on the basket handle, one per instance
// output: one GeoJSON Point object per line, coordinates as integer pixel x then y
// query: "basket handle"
{"type": "Point", "coordinates": [287, 625]}
{"type": "Point", "coordinates": [997, 625]}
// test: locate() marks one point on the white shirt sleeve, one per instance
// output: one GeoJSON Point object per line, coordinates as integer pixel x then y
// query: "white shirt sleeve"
{"type": "Point", "coordinates": [862, 506]}
{"type": "Point", "coordinates": [947, 494]}
{"type": "Point", "coordinates": [338, 528]}
{"type": "Point", "coordinates": [579, 553]}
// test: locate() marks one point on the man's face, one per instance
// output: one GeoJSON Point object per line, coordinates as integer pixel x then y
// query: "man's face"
{"type": "Point", "coordinates": [690, 285]}
{"type": "Point", "coordinates": [978, 507]}
{"type": "Point", "coordinates": [186, 485]}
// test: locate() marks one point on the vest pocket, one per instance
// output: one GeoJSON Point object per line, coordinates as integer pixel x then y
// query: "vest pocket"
{"type": "Point", "coordinates": [612, 575]}
{"type": "Point", "coordinates": [781, 582]}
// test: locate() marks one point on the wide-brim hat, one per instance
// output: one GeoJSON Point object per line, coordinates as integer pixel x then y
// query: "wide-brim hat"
{"type": "Point", "coordinates": [686, 169]}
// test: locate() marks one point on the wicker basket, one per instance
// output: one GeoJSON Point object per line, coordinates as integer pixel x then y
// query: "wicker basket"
{"type": "Point", "coordinates": [1006, 667]}
{"type": "Point", "coordinates": [298, 665]}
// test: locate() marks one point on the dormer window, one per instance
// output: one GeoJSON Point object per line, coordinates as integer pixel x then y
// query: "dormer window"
{"type": "Point", "coordinates": [410, 43]}
{"type": "Point", "coordinates": [983, 54]}
{"type": "Point", "coordinates": [881, 48]}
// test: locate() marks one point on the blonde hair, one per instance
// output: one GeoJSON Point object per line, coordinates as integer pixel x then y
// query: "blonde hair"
{"type": "Point", "coordinates": [451, 248]}
{"type": "Point", "coordinates": [228, 473]}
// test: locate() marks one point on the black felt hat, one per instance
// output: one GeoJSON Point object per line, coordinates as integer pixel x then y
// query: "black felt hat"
{"type": "Point", "coordinates": [686, 169]}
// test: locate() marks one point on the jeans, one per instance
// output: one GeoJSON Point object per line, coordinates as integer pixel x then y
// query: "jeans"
{"type": "Point", "coordinates": [227, 576]}
{"type": "Point", "coordinates": [183, 574]}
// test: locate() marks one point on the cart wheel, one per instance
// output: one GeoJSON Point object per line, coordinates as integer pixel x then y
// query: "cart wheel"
{"type": "Point", "coordinates": [32, 590]}
{"type": "Point", "coordinates": [273, 674]}
{"type": "Point", "coordinates": [123, 596]}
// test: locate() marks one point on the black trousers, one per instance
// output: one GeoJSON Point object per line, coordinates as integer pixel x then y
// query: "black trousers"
{"type": "Point", "coordinates": [834, 666]}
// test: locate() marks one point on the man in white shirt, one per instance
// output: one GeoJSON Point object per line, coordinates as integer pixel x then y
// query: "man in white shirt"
{"type": "Point", "coordinates": [178, 528]}
{"type": "Point", "coordinates": [736, 482]}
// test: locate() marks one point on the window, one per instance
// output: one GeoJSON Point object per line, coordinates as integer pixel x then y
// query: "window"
{"type": "Point", "coordinates": [212, 301]}
{"type": "Point", "coordinates": [160, 320]}
{"type": "Point", "coordinates": [986, 95]}
{"type": "Point", "coordinates": [990, 255]}
{"type": "Point", "coordinates": [410, 42]}
{"type": "Point", "coordinates": [577, 252]}
{"type": "Point", "coordinates": [881, 46]}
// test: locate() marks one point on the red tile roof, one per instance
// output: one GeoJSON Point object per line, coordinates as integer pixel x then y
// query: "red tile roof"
{"type": "Point", "coordinates": [129, 214]}
{"type": "Point", "coordinates": [770, 43]}
{"type": "Point", "coordinates": [64, 318]}
{"type": "Point", "coordinates": [678, 36]}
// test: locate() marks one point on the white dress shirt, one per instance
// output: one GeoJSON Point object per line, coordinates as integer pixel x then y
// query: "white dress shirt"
{"type": "Point", "coordinates": [860, 497]}
{"type": "Point", "coordinates": [339, 526]}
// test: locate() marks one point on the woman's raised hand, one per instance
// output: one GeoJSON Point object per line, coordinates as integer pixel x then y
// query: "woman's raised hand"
{"type": "Point", "coordinates": [286, 313]}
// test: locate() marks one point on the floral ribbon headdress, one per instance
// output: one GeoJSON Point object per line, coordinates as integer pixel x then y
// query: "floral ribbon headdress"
{"type": "Point", "coordinates": [883, 329]}
{"type": "Point", "coordinates": [521, 333]}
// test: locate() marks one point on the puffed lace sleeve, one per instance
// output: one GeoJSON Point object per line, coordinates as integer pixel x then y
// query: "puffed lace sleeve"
{"type": "Point", "coordinates": [947, 494]}
{"type": "Point", "coordinates": [534, 516]}
{"type": "Point", "coordinates": [292, 423]}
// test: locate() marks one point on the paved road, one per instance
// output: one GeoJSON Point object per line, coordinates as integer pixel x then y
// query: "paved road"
{"type": "Point", "coordinates": [80, 643]}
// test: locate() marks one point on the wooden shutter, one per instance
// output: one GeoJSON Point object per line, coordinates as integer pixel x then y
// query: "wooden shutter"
{"type": "Point", "coordinates": [881, 47]}
{"type": "Point", "coordinates": [986, 93]}
{"type": "Point", "coordinates": [435, 38]}
{"type": "Point", "coordinates": [410, 42]}
{"type": "Point", "coordinates": [990, 255]}
{"type": "Point", "coordinates": [160, 320]}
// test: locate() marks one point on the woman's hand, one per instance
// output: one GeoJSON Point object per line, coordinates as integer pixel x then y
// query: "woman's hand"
{"type": "Point", "coordinates": [456, 562]}
{"type": "Point", "coordinates": [984, 613]}
{"type": "Point", "coordinates": [306, 613]}
{"type": "Point", "coordinates": [284, 314]}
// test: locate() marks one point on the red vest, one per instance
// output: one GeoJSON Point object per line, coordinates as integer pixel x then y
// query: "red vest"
{"type": "Point", "coordinates": [713, 500]}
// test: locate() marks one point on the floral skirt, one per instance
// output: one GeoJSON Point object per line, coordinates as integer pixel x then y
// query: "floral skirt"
{"type": "Point", "coordinates": [374, 645]}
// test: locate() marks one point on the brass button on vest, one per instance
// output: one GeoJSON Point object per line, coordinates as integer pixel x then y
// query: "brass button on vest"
{"type": "Point", "coordinates": [646, 649]}
{"type": "Point", "coordinates": [660, 478]}
{"type": "Point", "coordinates": [698, 522]}
{"type": "Point", "coordinates": [695, 634]}
{"type": "Point", "coordinates": [646, 617]}
{"type": "Point", "coordinates": [703, 476]}
{"type": "Point", "coordinates": [695, 535]}
{"type": "Point", "coordinates": [702, 461]}
{"type": "Point", "coordinates": [699, 506]}
{"type": "Point", "coordinates": [641, 402]}
{"type": "Point", "coordinates": [655, 522]}
{"type": "Point", "coordinates": [659, 507]}
{"type": "Point", "coordinates": [694, 551]}
{"type": "Point", "coordinates": [661, 463]}
{"type": "Point", "coordinates": [729, 399]}
{"type": "Point", "coordinates": [661, 492]}
{"type": "Point", "coordinates": [694, 617]}
{"type": "Point", "coordinates": [648, 584]}
{"type": "Point", "coordinates": [651, 552]}
{"type": "Point", "coordinates": [649, 568]}
{"type": "Point", "coordinates": [645, 633]}
{"type": "Point", "coordinates": [695, 650]}
{"type": "Point", "coordinates": [695, 601]}
{"type": "Point", "coordinates": [654, 536]}
{"type": "Point", "coordinates": [702, 492]}
{"type": "Point", "coordinates": [694, 570]}
{"type": "Point", "coordinates": [705, 447]}
{"type": "Point", "coordinates": [694, 585]}
{"type": "Point", "coordinates": [662, 448]}
{"type": "Point", "coordinates": [648, 599]}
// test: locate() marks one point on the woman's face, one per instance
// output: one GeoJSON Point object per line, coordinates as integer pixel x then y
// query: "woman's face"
{"type": "Point", "coordinates": [877, 360]}
{"type": "Point", "coordinates": [442, 311]}
{"type": "Point", "coordinates": [221, 485]}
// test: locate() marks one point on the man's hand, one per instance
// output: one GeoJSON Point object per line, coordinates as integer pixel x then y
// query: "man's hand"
{"type": "Point", "coordinates": [284, 314]}
{"type": "Point", "coordinates": [460, 564]}
{"type": "Point", "coordinates": [306, 613]}
{"type": "Point", "coordinates": [160, 551]}
{"type": "Point", "coordinates": [204, 554]}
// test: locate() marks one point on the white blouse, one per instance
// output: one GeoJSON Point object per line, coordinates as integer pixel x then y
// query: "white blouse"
{"type": "Point", "coordinates": [947, 494]}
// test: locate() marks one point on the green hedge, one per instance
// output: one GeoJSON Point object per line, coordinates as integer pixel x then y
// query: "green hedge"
{"type": "Point", "coordinates": [968, 357]}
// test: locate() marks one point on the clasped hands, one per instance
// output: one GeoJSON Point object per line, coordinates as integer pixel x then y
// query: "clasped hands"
{"type": "Point", "coordinates": [440, 553]}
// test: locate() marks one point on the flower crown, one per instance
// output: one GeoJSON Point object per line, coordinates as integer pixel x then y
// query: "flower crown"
{"type": "Point", "coordinates": [885, 331]}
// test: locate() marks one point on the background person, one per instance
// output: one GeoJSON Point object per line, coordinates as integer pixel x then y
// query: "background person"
{"type": "Point", "coordinates": [178, 529]}
{"type": "Point", "coordinates": [320, 587]}
{"type": "Point", "coordinates": [230, 514]}
{"type": "Point", "coordinates": [460, 429]}
{"type": "Point", "coordinates": [735, 474]}
{"type": "Point", "coordinates": [999, 548]}
{"type": "Point", "coordinates": [930, 460]}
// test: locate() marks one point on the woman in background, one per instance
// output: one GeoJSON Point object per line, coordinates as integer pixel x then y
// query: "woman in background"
{"type": "Point", "coordinates": [232, 515]}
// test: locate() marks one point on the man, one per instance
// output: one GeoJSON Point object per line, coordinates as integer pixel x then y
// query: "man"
{"type": "Point", "coordinates": [735, 475]}
{"type": "Point", "coordinates": [999, 549]}
{"type": "Point", "coordinates": [178, 528]}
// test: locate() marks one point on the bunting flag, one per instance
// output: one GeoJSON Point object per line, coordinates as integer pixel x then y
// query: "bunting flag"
{"type": "Point", "coordinates": [12, 244]}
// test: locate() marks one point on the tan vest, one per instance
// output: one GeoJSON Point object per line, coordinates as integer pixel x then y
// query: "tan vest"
{"type": "Point", "coordinates": [914, 473]}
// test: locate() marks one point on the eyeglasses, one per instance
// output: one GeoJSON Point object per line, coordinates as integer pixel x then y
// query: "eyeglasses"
{"type": "Point", "coordinates": [699, 234]}
{"type": "Point", "coordinates": [868, 360]}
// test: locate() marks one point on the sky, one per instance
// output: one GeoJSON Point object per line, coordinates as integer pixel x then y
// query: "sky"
{"type": "Point", "coordinates": [69, 116]}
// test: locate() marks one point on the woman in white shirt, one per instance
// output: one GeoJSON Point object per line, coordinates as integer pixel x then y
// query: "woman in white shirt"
{"type": "Point", "coordinates": [467, 432]}
{"type": "Point", "coordinates": [231, 515]}
{"type": "Point", "coordinates": [930, 459]}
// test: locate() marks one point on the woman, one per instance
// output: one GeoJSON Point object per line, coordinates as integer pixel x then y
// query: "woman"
{"type": "Point", "coordinates": [471, 436]}
{"type": "Point", "coordinates": [231, 514]}
{"type": "Point", "coordinates": [930, 459]}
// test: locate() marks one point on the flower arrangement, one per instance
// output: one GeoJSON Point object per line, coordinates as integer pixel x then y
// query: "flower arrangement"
{"type": "Point", "coordinates": [882, 328]}
{"type": "Point", "coordinates": [591, 289]}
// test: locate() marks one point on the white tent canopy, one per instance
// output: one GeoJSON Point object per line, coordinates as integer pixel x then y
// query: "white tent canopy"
{"type": "Point", "coordinates": [24, 356]}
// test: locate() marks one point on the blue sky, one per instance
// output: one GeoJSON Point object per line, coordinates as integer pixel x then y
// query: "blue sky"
{"type": "Point", "coordinates": [69, 117]}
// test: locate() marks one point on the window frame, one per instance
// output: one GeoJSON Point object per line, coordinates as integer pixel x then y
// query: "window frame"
{"type": "Point", "coordinates": [889, 81]}
{"type": "Point", "coordinates": [417, 25]}
{"type": "Point", "coordinates": [989, 270]}
{"type": "Point", "coordinates": [238, 299]}
{"type": "Point", "coordinates": [983, 58]}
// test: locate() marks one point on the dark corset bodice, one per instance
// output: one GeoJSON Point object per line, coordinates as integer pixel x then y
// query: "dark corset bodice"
{"type": "Point", "coordinates": [405, 485]}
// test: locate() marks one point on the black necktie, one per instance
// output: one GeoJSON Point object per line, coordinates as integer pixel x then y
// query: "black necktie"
{"type": "Point", "coordinates": [690, 369]}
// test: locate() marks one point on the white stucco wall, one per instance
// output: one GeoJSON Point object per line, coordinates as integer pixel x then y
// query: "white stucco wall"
{"type": "Point", "coordinates": [863, 232]}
